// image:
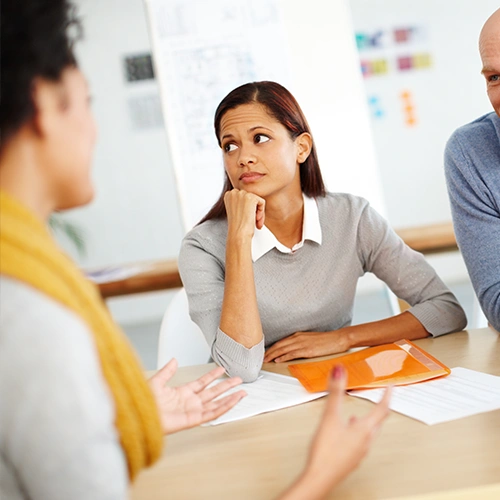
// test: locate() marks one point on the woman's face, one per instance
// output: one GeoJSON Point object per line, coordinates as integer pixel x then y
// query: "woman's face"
{"type": "Point", "coordinates": [259, 155]}
{"type": "Point", "coordinates": [70, 142]}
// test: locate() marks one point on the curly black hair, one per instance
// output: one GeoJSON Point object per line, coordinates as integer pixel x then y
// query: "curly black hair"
{"type": "Point", "coordinates": [36, 40]}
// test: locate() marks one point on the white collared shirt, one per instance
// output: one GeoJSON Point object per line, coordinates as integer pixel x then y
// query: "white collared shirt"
{"type": "Point", "coordinates": [264, 240]}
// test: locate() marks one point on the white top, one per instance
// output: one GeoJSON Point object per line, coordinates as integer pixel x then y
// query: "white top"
{"type": "Point", "coordinates": [264, 240]}
{"type": "Point", "coordinates": [57, 435]}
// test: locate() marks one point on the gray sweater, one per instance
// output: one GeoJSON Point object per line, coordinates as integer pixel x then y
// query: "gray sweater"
{"type": "Point", "coordinates": [472, 166]}
{"type": "Point", "coordinates": [312, 289]}
{"type": "Point", "coordinates": [57, 435]}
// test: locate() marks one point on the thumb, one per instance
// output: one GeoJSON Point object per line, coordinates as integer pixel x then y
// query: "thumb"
{"type": "Point", "coordinates": [163, 375]}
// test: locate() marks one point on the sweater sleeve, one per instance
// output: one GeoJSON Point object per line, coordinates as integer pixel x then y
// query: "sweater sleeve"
{"type": "Point", "coordinates": [57, 433]}
{"type": "Point", "coordinates": [202, 273]}
{"type": "Point", "coordinates": [476, 220]}
{"type": "Point", "coordinates": [408, 275]}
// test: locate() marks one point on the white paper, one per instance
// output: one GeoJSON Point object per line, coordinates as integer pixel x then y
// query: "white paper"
{"type": "Point", "coordinates": [462, 393]}
{"type": "Point", "coordinates": [270, 392]}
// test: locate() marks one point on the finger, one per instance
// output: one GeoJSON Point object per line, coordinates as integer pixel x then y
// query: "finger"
{"type": "Point", "coordinates": [279, 348]}
{"type": "Point", "coordinates": [336, 387]}
{"type": "Point", "coordinates": [218, 389]}
{"type": "Point", "coordinates": [296, 354]}
{"type": "Point", "coordinates": [260, 213]}
{"type": "Point", "coordinates": [221, 406]}
{"type": "Point", "coordinates": [199, 384]}
{"type": "Point", "coordinates": [276, 351]}
{"type": "Point", "coordinates": [163, 375]}
{"type": "Point", "coordinates": [380, 412]}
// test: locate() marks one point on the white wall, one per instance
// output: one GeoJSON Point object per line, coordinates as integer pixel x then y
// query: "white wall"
{"type": "Point", "coordinates": [135, 215]}
{"type": "Point", "coordinates": [449, 94]}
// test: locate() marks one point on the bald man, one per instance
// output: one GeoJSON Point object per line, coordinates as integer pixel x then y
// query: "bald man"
{"type": "Point", "coordinates": [472, 167]}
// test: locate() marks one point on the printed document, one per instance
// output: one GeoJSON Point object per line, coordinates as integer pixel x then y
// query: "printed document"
{"type": "Point", "coordinates": [462, 393]}
{"type": "Point", "coordinates": [270, 392]}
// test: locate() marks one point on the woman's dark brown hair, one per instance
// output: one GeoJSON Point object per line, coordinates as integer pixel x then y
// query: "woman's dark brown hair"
{"type": "Point", "coordinates": [280, 104]}
{"type": "Point", "coordinates": [37, 38]}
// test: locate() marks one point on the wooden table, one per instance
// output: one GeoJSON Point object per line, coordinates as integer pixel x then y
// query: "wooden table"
{"type": "Point", "coordinates": [148, 276]}
{"type": "Point", "coordinates": [258, 457]}
{"type": "Point", "coordinates": [164, 274]}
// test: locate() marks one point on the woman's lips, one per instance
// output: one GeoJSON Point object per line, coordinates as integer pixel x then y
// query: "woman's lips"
{"type": "Point", "coordinates": [248, 177]}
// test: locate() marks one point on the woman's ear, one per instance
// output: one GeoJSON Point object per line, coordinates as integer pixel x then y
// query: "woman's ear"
{"type": "Point", "coordinates": [49, 99]}
{"type": "Point", "coordinates": [304, 146]}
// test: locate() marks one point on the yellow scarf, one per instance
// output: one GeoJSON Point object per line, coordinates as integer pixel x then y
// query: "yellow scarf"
{"type": "Point", "coordinates": [29, 254]}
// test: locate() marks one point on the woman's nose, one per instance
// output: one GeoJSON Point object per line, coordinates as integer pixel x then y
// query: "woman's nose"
{"type": "Point", "coordinates": [246, 157]}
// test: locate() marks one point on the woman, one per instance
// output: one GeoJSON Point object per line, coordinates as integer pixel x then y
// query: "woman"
{"type": "Point", "coordinates": [78, 420]}
{"type": "Point", "coordinates": [77, 417]}
{"type": "Point", "coordinates": [271, 271]}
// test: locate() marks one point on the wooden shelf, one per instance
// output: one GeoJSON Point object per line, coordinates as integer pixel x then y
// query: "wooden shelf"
{"type": "Point", "coordinates": [435, 238]}
{"type": "Point", "coordinates": [149, 277]}
{"type": "Point", "coordinates": [164, 274]}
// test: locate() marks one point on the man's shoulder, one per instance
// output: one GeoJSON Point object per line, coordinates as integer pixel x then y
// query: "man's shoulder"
{"type": "Point", "coordinates": [486, 128]}
{"type": "Point", "coordinates": [474, 147]}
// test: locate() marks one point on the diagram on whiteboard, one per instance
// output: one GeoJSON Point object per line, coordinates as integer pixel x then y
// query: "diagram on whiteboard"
{"type": "Point", "coordinates": [203, 74]}
{"type": "Point", "coordinates": [202, 50]}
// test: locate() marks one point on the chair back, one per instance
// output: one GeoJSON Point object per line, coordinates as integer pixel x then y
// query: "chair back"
{"type": "Point", "coordinates": [181, 338]}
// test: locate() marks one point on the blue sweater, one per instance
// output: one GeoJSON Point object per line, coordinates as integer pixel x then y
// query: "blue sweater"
{"type": "Point", "coordinates": [472, 167]}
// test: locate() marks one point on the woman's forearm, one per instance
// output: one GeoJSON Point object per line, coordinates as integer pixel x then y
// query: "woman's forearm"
{"type": "Point", "coordinates": [240, 317]}
{"type": "Point", "coordinates": [402, 326]}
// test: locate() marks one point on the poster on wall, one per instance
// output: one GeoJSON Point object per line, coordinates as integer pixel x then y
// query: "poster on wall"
{"type": "Point", "coordinates": [389, 53]}
{"type": "Point", "coordinates": [203, 50]}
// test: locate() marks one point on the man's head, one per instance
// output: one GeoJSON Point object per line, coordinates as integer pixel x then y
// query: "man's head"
{"type": "Point", "coordinates": [45, 119]}
{"type": "Point", "coordinates": [489, 48]}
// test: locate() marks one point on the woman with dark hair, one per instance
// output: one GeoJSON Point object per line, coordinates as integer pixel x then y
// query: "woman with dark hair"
{"type": "Point", "coordinates": [271, 271]}
{"type": "Point", "coordinates": [78, 420]}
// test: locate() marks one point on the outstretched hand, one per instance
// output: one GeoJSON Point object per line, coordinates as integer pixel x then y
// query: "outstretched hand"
{"type": "Point", "coordinates": [192, 404]}
{"type": "Point", "coordinates": [338, 446]}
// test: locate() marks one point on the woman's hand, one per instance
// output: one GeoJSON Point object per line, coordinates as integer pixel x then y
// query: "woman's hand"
{"type": "Point", "coordinates": [191, 404]}
{"type": "Point", "coordinates": [338, 446]}
{"type": "Point", "coordinates": [245, 212]}
{"type": "Point", "coordinates": [307, 345]}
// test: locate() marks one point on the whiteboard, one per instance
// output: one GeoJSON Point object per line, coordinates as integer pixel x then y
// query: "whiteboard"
{"type": "Point", "coordinates": [202, 50]}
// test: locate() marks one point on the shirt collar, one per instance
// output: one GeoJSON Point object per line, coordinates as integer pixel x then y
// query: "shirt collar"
{"type": "Point", "coordinates": [264, 240]}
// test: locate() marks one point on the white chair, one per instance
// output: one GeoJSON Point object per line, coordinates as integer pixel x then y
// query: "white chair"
{"type": "Point", "coordinates": [478, 318]}
{"type": "Point", "coordinates": [179, 337]}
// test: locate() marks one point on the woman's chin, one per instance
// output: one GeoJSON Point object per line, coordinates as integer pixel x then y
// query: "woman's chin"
{"type": "Point", "coordinates": [76, 200]}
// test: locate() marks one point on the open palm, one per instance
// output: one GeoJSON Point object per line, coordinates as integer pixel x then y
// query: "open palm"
{"type": "Point", "coordinates": [194, 403]}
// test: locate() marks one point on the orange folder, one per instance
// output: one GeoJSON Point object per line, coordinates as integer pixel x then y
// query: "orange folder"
{"type": "Point", "coordinates": [400, 363]}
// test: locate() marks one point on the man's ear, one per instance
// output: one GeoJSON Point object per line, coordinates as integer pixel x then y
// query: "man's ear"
{"type": "Point", "coordinates": [304, 145]}
{"type": "Point", "coordinates": [49, 99]}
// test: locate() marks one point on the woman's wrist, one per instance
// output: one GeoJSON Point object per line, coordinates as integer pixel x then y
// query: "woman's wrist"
{"type": "Point", "coordinates": [237, 239]}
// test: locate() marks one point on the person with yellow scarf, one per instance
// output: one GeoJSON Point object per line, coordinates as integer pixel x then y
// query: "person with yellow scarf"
{"type": "Point", "coordinates": [78, 420]}
{"type": "Point", "coordinates": [70, 380]}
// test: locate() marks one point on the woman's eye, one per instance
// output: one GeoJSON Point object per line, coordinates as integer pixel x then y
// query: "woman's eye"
{"type": "Point", "coordinates": [229, 147]}
{"type": "Point", "coordinates": [261, 138]}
